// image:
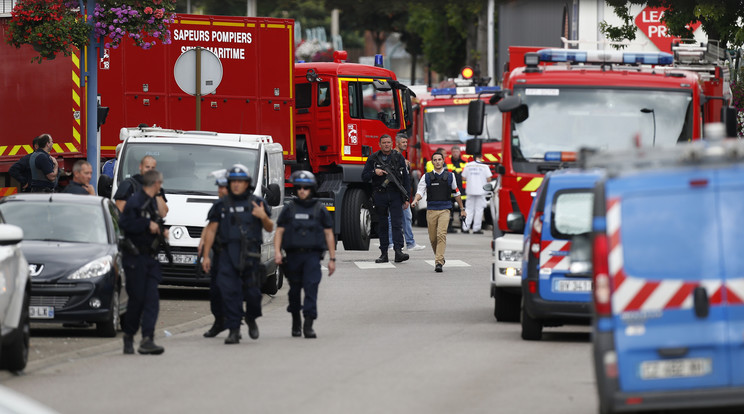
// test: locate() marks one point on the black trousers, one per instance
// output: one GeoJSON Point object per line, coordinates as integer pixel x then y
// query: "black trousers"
{"type": "Point", "coordinates": [389, 202]}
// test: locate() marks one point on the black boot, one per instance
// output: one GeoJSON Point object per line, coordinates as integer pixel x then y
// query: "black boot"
{"type": "Point", "coordinates": [296, 324]}
{"type": "Point", "coordinates": [252, 328]}
{"type": "Point", "coordinates": [383, 257]}
{"type": "Point", "coordinates": [233, 337]}
{"type": "Point", "coordinates": [217, 327]}
{"type": "Point", "coordinates": [308, 329]}
{"type": "Point", "coordinates": [128, 344]}
{"type": "Point", "coordinates": [147, 346]}
{"type": "Point", "coordinates": [400, 256]}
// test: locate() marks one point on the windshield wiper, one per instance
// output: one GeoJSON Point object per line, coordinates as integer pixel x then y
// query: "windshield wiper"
{"type": "Point", "coordinates": [191, 192]}
{"type": "Point", "coordinates": [58, 240]}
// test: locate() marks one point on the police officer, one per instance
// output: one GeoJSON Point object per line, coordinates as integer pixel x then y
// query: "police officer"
{"type": "Point", "coordinates": [238, 218]}
{"type": "Point", "coordinates": [215, 297]}
{"type": "Point", "coordinates": [44, 168]}
{"type": "Point", "coordinates": [390, 195]}
{"type": "Point", "coordinates": [140, 224]}
{"type": "Point", "coordinates": [304, 230]}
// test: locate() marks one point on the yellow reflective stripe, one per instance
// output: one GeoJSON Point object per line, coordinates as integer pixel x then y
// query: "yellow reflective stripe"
{"type": "Point", "coordinates": [28, 149]}
{"type": "Point", "coordinates": [330, 208]}
{"type": "Point", "coordinates": [232, 24]}
{"type": "Point", "coordinates": [15, 149]}
{"type": "Point", "coordinates": [491, 157]}
{"type": "Point", "coordinates": [2, 149]}
{"type": "Point", "coordinates": [70, 147]}
{"type": "Point", "coordinates": [57, 148]}
{"type": "Point", "coordinates": [275, 26]}
{"type": "Point", "coordinates": [6, 191]}
{"type": "Point", "coordinates": [199, 22]}
{"type": "Point", "coordinates": [533, 184]}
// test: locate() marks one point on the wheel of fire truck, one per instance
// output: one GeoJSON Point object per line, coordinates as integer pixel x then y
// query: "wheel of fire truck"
{"type": "Point", "coordinates": [506, 306]}
{"type": "Point", "coordinates": [356, 222]}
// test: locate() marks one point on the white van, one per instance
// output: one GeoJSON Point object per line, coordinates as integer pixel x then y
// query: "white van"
{"type": "Point", "coordinates": [186, 159]}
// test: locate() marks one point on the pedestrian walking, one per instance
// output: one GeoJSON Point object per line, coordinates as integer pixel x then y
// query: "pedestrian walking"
{"type": "Point", "coordinates": [130, 186]}
{"type": "Point", "coordinates": [386, 169]}
{"type": "Point", "coordinates": [304, 230]}
{"type": "Point", "coordinates": [82, 172]}
{"type": "Point", "coordinates": [438, 186]}
{"type": "Point", "coordinates": [140, 223]}
{"type": "Point", "coordinates": [476, 175]}
{"type": "Point", "coordinates": [21, 169]}
{"type": "Point", "coordinates": [238, 218]}
{"type": "Point", "coordinates": [401, 145]}
{"type": "Point", "coordinates": [44, 168]}
{"type": "Point", "coordinates": [215, 296]}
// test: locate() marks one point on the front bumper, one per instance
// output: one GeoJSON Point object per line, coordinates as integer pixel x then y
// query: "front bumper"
{"type": "Point", "coordinates": [71, 300]}
{"type": "Point", "coordinates": [507, 274]}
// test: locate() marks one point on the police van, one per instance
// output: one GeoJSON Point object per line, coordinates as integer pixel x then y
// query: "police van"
{"type": "Point", "coordinates": [187, 159]}
{"type": "Point", "coordinates": [668, 274]}
{"type": "Point", "coordinates": [552, 293]}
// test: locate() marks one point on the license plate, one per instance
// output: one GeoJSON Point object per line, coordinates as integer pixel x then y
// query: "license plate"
{"type": "Point", "coordinates": [676, 368]}
{"type": "Point", "coordinates": [567, 285]}
{"type": "Point", "coordinates": [178, 258]}
{"type": "Point", "coordinates": [41, 312]}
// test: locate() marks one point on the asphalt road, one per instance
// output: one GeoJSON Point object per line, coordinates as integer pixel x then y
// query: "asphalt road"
{"type": "Point", "coordinates": [398, 338]}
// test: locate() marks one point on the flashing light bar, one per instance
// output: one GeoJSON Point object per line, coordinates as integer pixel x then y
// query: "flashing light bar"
{"type": "Point", "coordinates": [562, 156]}
{"type": "Point", "coordinates": [601, 56]}
{"type": "Point", "coordinates": [464, 91]}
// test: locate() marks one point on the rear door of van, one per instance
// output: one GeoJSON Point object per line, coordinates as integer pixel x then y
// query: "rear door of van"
{"type": "Point", "coordinates": [665, 241]}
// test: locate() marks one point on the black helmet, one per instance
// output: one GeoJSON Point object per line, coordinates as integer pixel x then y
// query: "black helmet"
{"type": "Point", "coordinates": [303, 177]}
{"type": "Point", "coordinates": [238, 172]}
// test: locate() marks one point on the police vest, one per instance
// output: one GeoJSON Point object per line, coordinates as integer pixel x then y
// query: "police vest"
{"type": "Point", "coordinates": [438, 190]}
{"type": "Point", "coordinates": [237, 218]}
{"type": "Point", "coordinates": [36, 173]}
{"type": "Point", "coordinates": [304, 231]}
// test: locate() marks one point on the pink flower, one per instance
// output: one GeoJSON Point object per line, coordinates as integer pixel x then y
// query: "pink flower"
{"type": "Point", "coordinates": [148, 10]}
{"type": "Point", "coordinates": [159, 13]}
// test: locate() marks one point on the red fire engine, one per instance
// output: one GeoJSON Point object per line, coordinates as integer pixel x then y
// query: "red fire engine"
{"type": "Point", "coordinates": [319, 112]}
{"type": "Point", "coordinates": [560, 100]}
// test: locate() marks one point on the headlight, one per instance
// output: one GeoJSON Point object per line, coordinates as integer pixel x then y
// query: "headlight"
{"type": "Point", "coordinates": [510, 255]}
{"type": "Point", "coordinates": [96, 268]}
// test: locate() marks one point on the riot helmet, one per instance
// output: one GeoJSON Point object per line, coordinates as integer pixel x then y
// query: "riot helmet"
{"type": "Point", "coordinates": [238, 172]}
{"type": "Point", "coordinates": [303, 177]}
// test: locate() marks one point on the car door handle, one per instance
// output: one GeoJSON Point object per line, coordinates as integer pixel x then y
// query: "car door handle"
{"type": "Point", "coordinates": [673, 352]}
{"type": "Point", "coordinates": [702, 304]}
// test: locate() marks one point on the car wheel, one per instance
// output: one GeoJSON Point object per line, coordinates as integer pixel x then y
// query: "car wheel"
{"type": "Point", "coordinates": [14, 355]}
{"type": "Point", "coordinates": [506, 306]}
{"type": "Point", "coordinates": [531, 328]}
{"type": "Point", "coordinates": [108, 327]}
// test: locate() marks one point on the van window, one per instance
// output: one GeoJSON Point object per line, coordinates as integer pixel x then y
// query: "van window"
{"type": "Point", "coordinates": [572, 213]}
{"type": "Point", "coordinates": [324, 93]}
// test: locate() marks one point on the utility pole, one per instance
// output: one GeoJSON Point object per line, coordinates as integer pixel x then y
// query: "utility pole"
{"type": "Point", "coordinates": [91, 105]}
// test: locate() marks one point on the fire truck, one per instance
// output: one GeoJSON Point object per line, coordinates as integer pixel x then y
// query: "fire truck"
{"type": "Point", "coordinates": [327, 116]}
{"type": "Point", "coordinates": [560, 100]}
{"type": "Point", "coordinates": [440, 121]}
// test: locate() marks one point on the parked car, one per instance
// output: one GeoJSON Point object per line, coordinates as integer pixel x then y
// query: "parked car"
{"type": "Point", "coordinates": [553, 294]}
{"type": "Point", "coordinates": [71, 244]}
{"type": "Point", "coordinates": [668, 277]}
{"type": "Point", "coordinates": [15, 328]}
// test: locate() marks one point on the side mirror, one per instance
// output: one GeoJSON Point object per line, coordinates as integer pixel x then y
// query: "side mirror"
{"type": "Point", "coordinates": [10, 234]}
{"type": "Point", "coordinates": [514, 105]}
{"type": "Point", "coordinates": [476, 110]}
{"type": "Point", "coordinates": [728, 117]}
{"type": "Point", "coordinates": [474, 146]}
{"type": "Point", "coordinates": [488, 187]}
{"type": "Point", "coordinates": [273, 194]}
{"type": "Point", "coordinates": [580, 256]}
{"type": "Point", "coordinates": [515, 222]}
{"type": "Point", "coordinates": [382, 85]}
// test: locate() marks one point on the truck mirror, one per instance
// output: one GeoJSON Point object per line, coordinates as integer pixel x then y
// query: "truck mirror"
{"type": "Point", "coordinates": [101, 115]}
{"type": "Point", "coordinates": [728, 117]}
{"type": "Point", "coordinates": [474, 146]}
{"type": "Point", "coordinates": [476, 110]}
{"type": "Point", "coordinates": [514, 105]}
{"type": "Point", "coordinates": [515, 222]}
{"type": "Point", "coordinates": [272, 194]}
{"type": "Point", "coordinates": [382, 85]}
{"type": "Point", "coordinates": [408, 107]}
{"type": "Point", "coordinates": [580, 256]}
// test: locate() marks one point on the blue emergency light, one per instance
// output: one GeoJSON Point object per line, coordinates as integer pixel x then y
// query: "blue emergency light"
{"type": "Point", "coordinates": [468, 90]}
{"type": "Point", "coordinates": [560, 156]}
{"type": "Point", "coordinates": [602, 56]}
{"type": "Point", "coordinates": [378, 61]}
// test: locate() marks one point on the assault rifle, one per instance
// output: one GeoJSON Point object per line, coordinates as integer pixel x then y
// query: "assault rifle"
{"type": "Point", "coordinates": [161, 242]}
{"type": "Point", "coordinates": [392, 177]}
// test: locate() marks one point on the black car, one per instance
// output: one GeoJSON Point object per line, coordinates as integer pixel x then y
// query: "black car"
{"type": "Point", "coordinates": [71, 245]}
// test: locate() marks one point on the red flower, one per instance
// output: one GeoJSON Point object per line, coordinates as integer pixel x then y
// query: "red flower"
{"type": "Point", "coordinates": [148, 10]}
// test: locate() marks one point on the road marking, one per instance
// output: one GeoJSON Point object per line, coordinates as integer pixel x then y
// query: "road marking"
{"type": "Point", "coordinates": [450, 263]}
{"type": "Point", "coordinates": [373, 265]}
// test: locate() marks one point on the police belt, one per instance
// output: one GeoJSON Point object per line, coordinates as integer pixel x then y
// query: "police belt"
{"type": "Point", "coordinates": [303, 250]}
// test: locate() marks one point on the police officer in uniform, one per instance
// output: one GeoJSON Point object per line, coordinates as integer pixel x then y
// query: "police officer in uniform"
{"type": "Point", "coordinates": [388, 197]}
{"type": "Point", "coordinates": [215, 297]}
{"type": "Point", "coordinates": [304, 230]}
{"type": "Point", "coordinates": [239, 219]}
{"type": "Point", "coordinates": [139, 221]}
{"type": "Point", "coordinates": [44, 168]}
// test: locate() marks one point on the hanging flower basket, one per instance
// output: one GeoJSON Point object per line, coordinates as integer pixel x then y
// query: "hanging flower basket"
{"type": "Point", "coordinates": [49, 26]}
{"type": "Point", "coordinates": [143, 21]}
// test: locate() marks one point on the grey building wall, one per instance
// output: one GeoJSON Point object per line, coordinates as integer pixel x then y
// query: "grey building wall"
{"type": "Point", "coordinates": [532, 23]}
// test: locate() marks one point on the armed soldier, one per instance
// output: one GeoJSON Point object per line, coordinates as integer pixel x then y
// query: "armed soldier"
{"type": "Point", "coordinates": [238, 218]}
{"type": "Point", "coordinates": [304, 231]}
{"type": "Point", "coordinates": [215, 296]}
{"type": "Point", "coordinates": [386, 169]}
{"type": "Point", "coordinates": [139, 221]}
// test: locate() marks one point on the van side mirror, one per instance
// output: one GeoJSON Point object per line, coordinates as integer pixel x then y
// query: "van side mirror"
{"type": "Point", "coordinates": [728, 117]}
{"type": "Point", "coordinates": [580, 256]}
{"type": "Point", "coordinates": [273, 194]}
{"type": "Point", "coordinates": [10, 234]}
{"type": "Point", "coordinates": [515, 222]}
{"type": "Point", "coordinates": [514, 105]}
{"type": "Point", "coordinates": [476, 110]}
{"type": "Point", "coordinates": [474, 146]}
{"type": "Point", "coordinates": [701, 302]}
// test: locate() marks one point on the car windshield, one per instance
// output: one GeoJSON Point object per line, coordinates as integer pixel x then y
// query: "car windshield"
{"type": "Point", "coordinates": [186, 168]}
{"type": "Point", "coordinates": [572, 213]}
{"type": "Point", "coordinates": [57, 221]}
{"type": "Point", "coordinates": [449, 124]}
{"type": "Point", "coordinates": [567, 119]}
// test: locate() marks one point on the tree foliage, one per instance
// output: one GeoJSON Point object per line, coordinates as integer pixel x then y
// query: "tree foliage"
{"type": "Point", "coordinates": [719, 19]}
